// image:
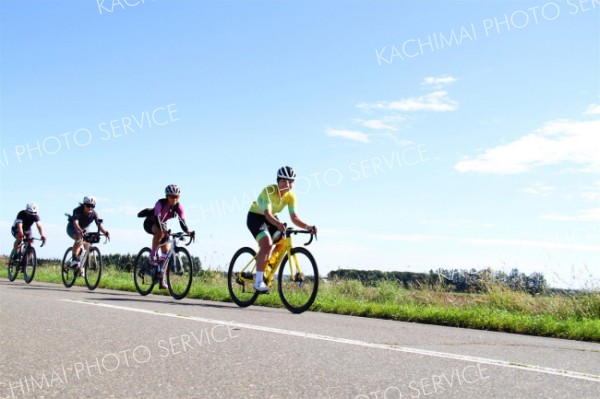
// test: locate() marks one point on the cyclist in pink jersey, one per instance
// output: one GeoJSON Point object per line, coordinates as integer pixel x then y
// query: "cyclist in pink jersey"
{"type": "Point", "coordinates": [156, 224]}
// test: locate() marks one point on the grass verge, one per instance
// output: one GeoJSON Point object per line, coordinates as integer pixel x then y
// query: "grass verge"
{"type": "Point", "coordinates": [498, 309]}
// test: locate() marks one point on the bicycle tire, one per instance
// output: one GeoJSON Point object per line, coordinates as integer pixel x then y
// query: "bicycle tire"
{"type": "Point", "coordinates": [143, 278]}
{"type": "Point", "coordinates": [29, 264]}
{"type": "Point", "coordinates": [93, 268]}
{"type": "Point", "coordinates": [237, 287]}
{"type": "Point", "coordinates": [68, 273]}
{"type": "Point", "coordinates": [13, 267]}
{"type": "Point", "coordinates": [299, 292]}
{"type": "Point", "coordinates": [179, 276]}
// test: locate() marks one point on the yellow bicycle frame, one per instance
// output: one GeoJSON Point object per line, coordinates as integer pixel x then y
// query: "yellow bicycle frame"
{"type": "Point", "coordinates": [271, 271]}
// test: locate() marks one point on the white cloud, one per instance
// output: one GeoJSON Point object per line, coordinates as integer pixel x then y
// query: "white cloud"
{"type": "Point", "coordinates": [591, 193]}
{"type": "Point", "coordinates": [437, 101]}
{"type": "Point", "coordinates": [415, 237]}
{"type": "Point", "coordinates": [555, 143]}
{"type": "Point", "coordinates": [348, 134]}
{"type": "Point", "coordinates": [459, 223]}
{"type": "Point", "coordinates": [438, 81]}
{"type": "Point", "coordinates": [377, 124]}
{"type": "Point", "coordinates": [385, 122]}
{"type": "Point", "coordinates": [591, 196]}
{"type": "Point", "coordinates": [593, 109]}
{"type": "Point", "coordinates": [398, 141]}
{"type": "Point", "coordinates": [539, 188]}
{"type": "Point", "coordinates": [128, 210]}
{"type": "Point", "coordinates": [586, 215]}
{"type": "Point", "coordinates": [529, 243]}
{"type": "Point", "coordinates": [390, 117]}
{"type": "Point", "coordinates": [406, 237]}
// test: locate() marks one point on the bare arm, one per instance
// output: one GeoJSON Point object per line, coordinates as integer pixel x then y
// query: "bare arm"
{"type": "Point", "coordinates": [20, 229]}
{"type": "Point", "coordinates": [274, 221]}
{"type": "Point", "coordinates": [41, 230]}
{"type": "Point", "coordinates": [300, 223]}
{"type": "Point", "coordinates": [76, 225]}
{"type": "Point", "coordinates": [102, 229]}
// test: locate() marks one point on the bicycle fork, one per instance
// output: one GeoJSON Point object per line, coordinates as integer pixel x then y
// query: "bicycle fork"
{"type": "Point", "coordinates": [295, 270]}
{"type": "Point", "coordinates": [176, 264]}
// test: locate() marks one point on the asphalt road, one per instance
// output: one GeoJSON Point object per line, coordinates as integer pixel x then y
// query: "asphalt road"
{"type": "Point", "coordinates": [74, 343]}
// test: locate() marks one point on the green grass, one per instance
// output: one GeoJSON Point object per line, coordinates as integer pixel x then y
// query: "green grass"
{"type": "Point", "coordinates": [497, 309]}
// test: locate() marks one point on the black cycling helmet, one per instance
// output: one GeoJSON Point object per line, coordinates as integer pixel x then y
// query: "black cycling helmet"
{"type": "Point", "coordinates": [286, 172]}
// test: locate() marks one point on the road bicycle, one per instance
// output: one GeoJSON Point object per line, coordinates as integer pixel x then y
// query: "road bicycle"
{"type": "Point", "coordinates": [297, 281]}
{"type": "Point", "coordinates": [90, 260]}
{"type": "Point", "coordinates": [177, 263]}
{"type": "Point", "coordinates": [24, 259]}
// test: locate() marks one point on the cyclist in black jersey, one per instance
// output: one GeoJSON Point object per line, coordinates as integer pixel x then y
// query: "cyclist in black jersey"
{"type": "Point", "coordinates": [82, 217]}
{"type": "Point", "coordinates": [21, 228]}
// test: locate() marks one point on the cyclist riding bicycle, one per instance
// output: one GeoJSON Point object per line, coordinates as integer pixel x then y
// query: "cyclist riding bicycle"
{"type": "Point", "coordinates": [82, 217]}
{"type": "Point", "coordinates": [155, 224]}
{"type": "Point", "coordinates": [21, 228]}
{"type": "Point", "coordinates": [265, 227]}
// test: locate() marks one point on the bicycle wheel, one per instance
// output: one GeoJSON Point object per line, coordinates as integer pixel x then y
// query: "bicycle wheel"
{"type": "Point", "coordinates": [13, 266]}
{"type": "Point", "coordinates": [298, 280]}
{"type": "Point", "coordinates": [179, 275]}
{"type": "Point", "coordinates": [144, 273]}
{"type": "Point", "coordinates": [69, 274]}
{"type": "Point", "coordinates": [93, 268]}
{"type": "Point", "coordinates": [240, 277]}
{"type": "Point", "coordinates": [29, 264]}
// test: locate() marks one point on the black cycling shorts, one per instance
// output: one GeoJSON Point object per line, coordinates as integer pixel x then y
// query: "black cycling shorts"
{"type": "Point", "coordinates": [148, 223]}
{"type": "Point", "coordinates": [260, 227]}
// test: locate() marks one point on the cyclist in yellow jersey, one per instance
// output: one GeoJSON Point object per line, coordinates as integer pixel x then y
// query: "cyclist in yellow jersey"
{"type": "Point", "coordinates": [265, 226]}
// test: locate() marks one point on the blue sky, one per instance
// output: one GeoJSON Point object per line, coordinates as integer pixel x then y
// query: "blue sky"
{"type": "Point", "coordinates": [426, 134]}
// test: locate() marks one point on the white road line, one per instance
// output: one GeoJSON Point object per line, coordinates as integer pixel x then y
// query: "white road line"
{"type": "Point", "coordinates": [423, 352]}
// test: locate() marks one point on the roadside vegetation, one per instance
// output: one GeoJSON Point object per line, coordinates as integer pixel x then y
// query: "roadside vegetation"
{"type": "Point", "coordinates": [494, 305]}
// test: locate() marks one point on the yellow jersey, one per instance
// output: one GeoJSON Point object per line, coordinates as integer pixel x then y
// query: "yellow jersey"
{"type": "Point", "coordinates": [270, 199]}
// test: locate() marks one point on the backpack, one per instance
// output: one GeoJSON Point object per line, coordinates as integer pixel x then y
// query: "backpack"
{"type": "Point", "coordinates": [144, 213]}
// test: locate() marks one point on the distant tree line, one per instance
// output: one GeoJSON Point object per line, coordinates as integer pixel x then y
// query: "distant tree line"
{"type": "Point", "coordinates": [458, 280]}
{"type": "Point", "coordinates": [475, 281]}
{"type": "Point", "coordinates": [372, 277]}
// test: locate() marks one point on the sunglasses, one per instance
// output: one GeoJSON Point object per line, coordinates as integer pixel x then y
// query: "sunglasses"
{"type": "Point", "coordinates": [90, 206]}
{"type": "Point", "coordinates": [173, 196]}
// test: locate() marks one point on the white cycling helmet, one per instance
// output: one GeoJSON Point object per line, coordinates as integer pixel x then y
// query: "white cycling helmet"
{"type": "Point", "coordinates": [89, 200]}
{"type": "Point", "coordinates": [31, 208]}
{"type": "Point", "coordinates": [286, 172]}
{"type": "Point", "coordinates": [172, 189]}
